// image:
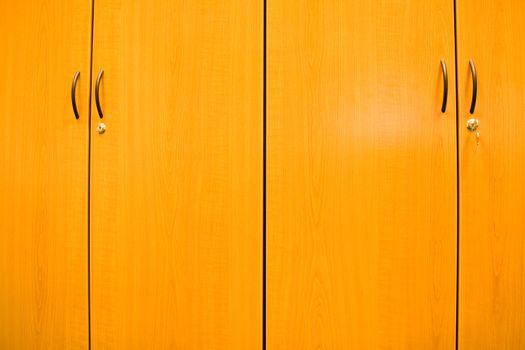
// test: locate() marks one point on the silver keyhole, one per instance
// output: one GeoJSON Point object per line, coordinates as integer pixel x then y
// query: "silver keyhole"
{"type": "Point", "coordinates": [101, 128]}
{"type": "Point", "coordinates": [472, 124]}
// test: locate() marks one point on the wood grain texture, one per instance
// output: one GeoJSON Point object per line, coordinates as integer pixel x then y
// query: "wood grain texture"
{"type": "Point", "coordinates": [361, 175]}
{"type": "Point", "coordinates": [176, 215]}
{"type": "Point", "coordinates": [43, 174]}
{"type": "Point", "coordinates": [492, 187]}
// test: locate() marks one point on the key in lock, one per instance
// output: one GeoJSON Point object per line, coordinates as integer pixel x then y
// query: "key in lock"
{"type": "Point", "coordinates": [472, 126]}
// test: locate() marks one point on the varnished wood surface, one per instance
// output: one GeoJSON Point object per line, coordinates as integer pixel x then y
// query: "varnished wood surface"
{"type": "Point", "coordinates": [492, 187]}
{"type": "Point", "coordinates": [43, 174]}
{"type": "Point", "coordinates": [176, 209]}
{"type": "Point", "coordinates": [361, 175]}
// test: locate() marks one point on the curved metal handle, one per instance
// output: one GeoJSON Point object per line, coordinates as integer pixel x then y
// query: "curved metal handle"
{"type": "Point", "coordinates": [97, 93]}
{"type": "Point", "coordinates": [474, 86]}
{"type": "Point", "coordinates": [73, 94]}
{"type": "Point", "coordinates": [445, 86]}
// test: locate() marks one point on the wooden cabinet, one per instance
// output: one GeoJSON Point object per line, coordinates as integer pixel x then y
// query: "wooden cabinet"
{"type": "Point", "coordinates": [249, 174]}
{"type": "Point", "coordinates": [173, 188]}
{"type": "Point", "coordinates": [361, 211]}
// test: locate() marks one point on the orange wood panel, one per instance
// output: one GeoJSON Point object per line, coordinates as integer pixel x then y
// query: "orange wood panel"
{"type": "Point", "coordinates": [43, 174]}
{"type": "Point", "coordinates": [492, 186]}
{"type": "Point", "coordinates": [361, 175]}
{"type": "Point", "coordinates": [176, 195]}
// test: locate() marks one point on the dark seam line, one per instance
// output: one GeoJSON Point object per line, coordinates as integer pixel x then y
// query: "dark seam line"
{"type": "Point", "coordinates": [264, 177]}
{"type": "Point", "coordinates": [89, 173]}
{"type": "Point", "coordinates": [457, 174]}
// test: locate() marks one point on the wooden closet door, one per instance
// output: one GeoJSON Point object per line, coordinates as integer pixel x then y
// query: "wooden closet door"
{"type": "Point", "coordinates": [492, 186]}
{"type": "Point", "coordinates": [361, 230]}
{"type": "Point", "coordinates": [176, 191]}
{"type": "Point", "coordinates": [44, 174]}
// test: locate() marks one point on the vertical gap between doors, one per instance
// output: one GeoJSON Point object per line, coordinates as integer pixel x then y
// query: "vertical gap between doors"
{"type": "Point", "coordinates": [457, 173]}
{"type": "Point", "coordinates": [264, 177]}
{"type": "Point", "coordinates": [89, 173]}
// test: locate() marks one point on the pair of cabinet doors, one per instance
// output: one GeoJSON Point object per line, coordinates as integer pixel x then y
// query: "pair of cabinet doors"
{"type": "Point", "coordinates": [274, 174]}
